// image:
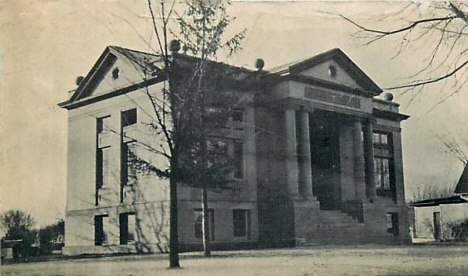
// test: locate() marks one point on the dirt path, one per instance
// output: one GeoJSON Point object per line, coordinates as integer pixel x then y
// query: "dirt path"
{"type": "Point", "coordinates": [370, 260]}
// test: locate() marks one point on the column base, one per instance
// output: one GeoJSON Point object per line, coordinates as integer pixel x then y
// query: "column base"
{"type": "Point", "coordinates": [306, 210]}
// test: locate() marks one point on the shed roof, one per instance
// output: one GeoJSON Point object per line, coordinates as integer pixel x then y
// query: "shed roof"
{"type": "Point", "coordinates": [438, 201]}
{"type": "Point", "coordinates": [462, 185]}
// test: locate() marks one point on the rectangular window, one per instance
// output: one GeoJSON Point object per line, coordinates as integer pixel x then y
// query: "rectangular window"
{"type": "Point", "coordinates": [229, 152]}
{"type": "Point", "coordinates": [241, 223]}
{"type": "Point", "coordinates": [101, 226]}
{"type": "Point", "coordinates": [197, 224]}
{"type": "Point", "coordinates": [238, 116]}
{"type": "Point", "coordinates": [392, 224]}
{"type": "Point", "coordinates": [380, 138]}
{"type": "Point", "coordinates": [102, 170]}
{"type": "Point", "coordinates": [238, 159]}
{"type": "Point", "coordinates": [99, 169]}
{"type": "Point", "coordinates": [102, 167]}
{"type": "Point", "coordinates": [218, 151]}
{"type": "Point", "coordinates": [382, 172]}
{"type": "Point", "coordinates": [128, 164]}
{"type": "Point", "coordinates": [129, 117]}
{"type": "Point", "coordinates": [127, 225]}
{"type": "Point", "coordinates": [383, 166]}
{"type": "Point", "coordinates": [102, 124]}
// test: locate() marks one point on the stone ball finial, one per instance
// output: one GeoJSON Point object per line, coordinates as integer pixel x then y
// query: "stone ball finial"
{"type": "Point", "coordinates": [78, 80]}
{"type": "Point", "coordinates": [174, 46]}
{"type": "Point", "coordinates": [388, 97]}
{"type": "Point", "coordinates": [259, 64]}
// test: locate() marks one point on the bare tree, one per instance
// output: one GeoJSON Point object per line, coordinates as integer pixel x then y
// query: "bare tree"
{"type": "Point", "coordinates": [432, 191]}
{"type": "Point", "coordinates": [180, 117]}
{"type": "Point", "coordinates": [455, 145]}
{"type": "Point", "coordinates": [441, 32]}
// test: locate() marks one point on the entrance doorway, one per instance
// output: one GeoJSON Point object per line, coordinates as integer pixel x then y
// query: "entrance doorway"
{"type": "Point", "coordinates": [325, 155]}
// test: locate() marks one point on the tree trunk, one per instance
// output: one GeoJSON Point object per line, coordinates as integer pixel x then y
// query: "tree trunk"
{"type": "Point", "coordinates": [205, 223]}
{"type": "Point", "coordinates": [173, 235]}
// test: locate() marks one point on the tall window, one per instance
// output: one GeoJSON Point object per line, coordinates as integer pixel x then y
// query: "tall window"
{"type": "Point", "coordinates": [129, 117]}
{"type": "Point", "coordinates": [222, 151]}
{"type": "Point", "coordinates": [128, 164]}
{"type": "Point", "coordinates": [384, 170]}
{"type": "Point", "coordinates": [102, 167]}
{"type": "Point", "coordinates": [102, 124]}
{"type": "Point", "coordinates": [241, 223]}
{"type": "Point", "coordinates": [127, 224]}
{"type": "Point", "coordinates": [101, 226]}
{"type": "Point", "coordinates": [102, 157]}
{"type": "Point", "coordinates": [238, 159]}
{"type": "Point", "coordinates": [198, 221]}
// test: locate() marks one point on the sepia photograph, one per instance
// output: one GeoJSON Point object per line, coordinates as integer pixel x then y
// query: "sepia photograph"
{"type": "Point", "coordinates": [241, 137]}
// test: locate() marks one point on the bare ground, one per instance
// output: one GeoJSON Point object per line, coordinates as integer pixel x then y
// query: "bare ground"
{"type": "Point", "coordinates": [333, 260]}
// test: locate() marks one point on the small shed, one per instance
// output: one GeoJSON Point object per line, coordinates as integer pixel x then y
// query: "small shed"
{"type": "Point", "coordinates": [435, 218]}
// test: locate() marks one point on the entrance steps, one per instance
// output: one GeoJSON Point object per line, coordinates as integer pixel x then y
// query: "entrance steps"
{"type": "Point", "coordinates": [332, 227]}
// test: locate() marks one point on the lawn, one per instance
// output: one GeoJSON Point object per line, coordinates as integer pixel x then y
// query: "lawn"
{"type": "Point", "coordinates": [336, 260]}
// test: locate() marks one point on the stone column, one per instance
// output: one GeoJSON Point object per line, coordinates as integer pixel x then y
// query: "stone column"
{"type": "Point", "coordinates": [369, 161]}
{"type": "Point", "coordinates": [305, 180]}
{"type": "Point", "coordinates": [359, 175]}
{"type": "Point", "coordinates": [291, 153]}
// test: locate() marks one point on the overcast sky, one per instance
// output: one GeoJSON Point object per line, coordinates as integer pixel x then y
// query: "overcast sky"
{"type": "Point", "coordinates": [46, 44]}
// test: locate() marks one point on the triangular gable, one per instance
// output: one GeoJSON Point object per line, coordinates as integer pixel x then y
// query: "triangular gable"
{"type": "Point", "coordinates": [462, 186]}
{"type": "Point", "coordinates": [323, 72]}
{"type": "Point", "coordinates": [116, 68]}
{"type": "Point", "coordinates": [319, 68]}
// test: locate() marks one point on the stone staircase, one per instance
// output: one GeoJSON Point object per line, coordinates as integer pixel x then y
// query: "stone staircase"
{"type": "Point", "coordinates": [334, 227]}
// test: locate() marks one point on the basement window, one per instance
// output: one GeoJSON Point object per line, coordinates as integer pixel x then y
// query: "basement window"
{"type": "Point", "coordinates": [392, 224]}
{"type": "Point", "coordinates": [241, 223]}
{"type": "Point", "coordinates": [101, 226]}
{"type": "Point", "coordinates": [198, 227]}
{"type": "Point", "coordinates": [127, 225]}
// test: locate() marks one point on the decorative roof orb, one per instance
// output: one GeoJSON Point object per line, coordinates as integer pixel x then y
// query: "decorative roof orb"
{"type": "Point", "coordinates": [388, 97]}
{"type": "Point", "coordinates": [78, 80]}
{"type": "Point", "coordinates": [174, 46]}
{"type": "Point", "coordinates": [259, 63]}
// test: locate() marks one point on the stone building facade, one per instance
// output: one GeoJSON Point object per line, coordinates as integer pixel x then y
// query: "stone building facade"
{"type": "Point", "coordinates": [317, 153]}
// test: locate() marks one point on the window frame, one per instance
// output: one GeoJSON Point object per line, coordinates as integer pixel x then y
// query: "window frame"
{"type": "Point", "coordinates": [393, 224]}
{"type": "Point", "coordinates": [383, 153]}
{"type": "Point", "coordinates": [126, 164]}
{"type": "Point", "coordinates": [129, 114]}
{"type": "Point", "coordinates": [198, 225]}
{"type": "Point", "coordinates": [238, 159]}
{"type": "Point", "coordinates": [100, 234]}
{"type": "Point", "coordinates": [238, 116]}
{"type": "Point", "coordinates": [244, 223]}
{"type": "Point", "coordinates": [124, 228]}
{"type": "Point", "coordinates": [101, 126]}
{"type": "Point", "coordinates": [234, 152]}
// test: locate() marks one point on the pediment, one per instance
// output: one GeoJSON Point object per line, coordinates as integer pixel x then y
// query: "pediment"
{"type": "Point", "coordinates": [331, 68]}
{"type": "Point", "coordinates": [115, 69]}
{"type": "Point", "coordinates": [332, 72]}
